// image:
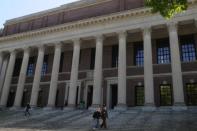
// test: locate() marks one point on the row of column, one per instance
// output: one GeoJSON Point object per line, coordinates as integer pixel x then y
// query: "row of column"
{"type": "Point", "coordinates": [148, 71]}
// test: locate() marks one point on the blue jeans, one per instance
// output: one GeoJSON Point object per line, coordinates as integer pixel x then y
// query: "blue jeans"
{"type": "Point", "coordinates": [96, 121]}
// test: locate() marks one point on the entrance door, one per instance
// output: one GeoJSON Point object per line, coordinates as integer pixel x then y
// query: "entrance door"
{"type": "Point", "coordinates": [56, 98]}
{"type": "Point", "coordinates": [24, 99]}
{"type": "Point", "coordinates": [77, 96]}
{"type": "Point", "coordinates": [191, 91]}
{"type": "Point", "coordinates": [139, 95]}
{"type": "Point", "coordinates": [11, 97]}
{"type": "Point", "coordinates": [39, 102]}
{"type": "Point", "coordinates": [165, 95]}
{"type": "Point", "coordinates": [114, 95]}
{"type": "Point", "coordinates": [89, 95]}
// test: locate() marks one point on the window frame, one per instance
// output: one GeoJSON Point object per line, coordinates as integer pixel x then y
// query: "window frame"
{"type": "Point", "coordinates": [187, 41]}
{"type": "Point", "coordinates": [114, 57]}
{"type": "Point", "coordinates": [171, 94]}
{"type": "Point", "coordinates": [163, 43]}
{"type": "Point", "coordinates": [136, 96]}
{"type": "Point", "coordinates": [139, 46]}
{"type": "Point", "coordinates": [190, 103]}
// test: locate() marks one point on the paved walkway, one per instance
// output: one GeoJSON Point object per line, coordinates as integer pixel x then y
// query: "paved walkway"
{"type": "Point", "coordinates": [81, 120]}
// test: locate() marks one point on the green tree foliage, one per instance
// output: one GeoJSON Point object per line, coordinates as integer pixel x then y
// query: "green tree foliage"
{"type": "Point", "coordinates": [167, 8]}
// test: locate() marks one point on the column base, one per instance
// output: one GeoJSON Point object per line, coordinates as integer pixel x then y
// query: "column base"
{"type": "Point", "coordinates": [15, 108]}
{"type": "Point", "coordinates": [70, 107]}
{"type": "Point", "coordinates": [120, 107]}
{"type": "Point", "coordinates": [179, 107]}
{"type": "Point", "coordinates": [149, 107]}
{"type": "Point", "coordinates": [35, 107]}
{"type": "Point", "coordinates": [2, 108]}
{"type": "Point", "coordinates": [48, 108]}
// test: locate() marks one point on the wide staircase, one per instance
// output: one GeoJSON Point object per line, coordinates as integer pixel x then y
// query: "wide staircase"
{"type": "Point", "coordinates": [128, 120]}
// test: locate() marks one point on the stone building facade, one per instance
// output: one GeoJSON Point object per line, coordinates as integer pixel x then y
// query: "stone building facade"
{"type": "Point", "coordinates": [113, 52]}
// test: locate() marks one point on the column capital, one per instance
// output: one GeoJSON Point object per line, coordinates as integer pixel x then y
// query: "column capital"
{"type": "Point", "coordinates": [26, 49]}
{"type": "Point", "coordinates": [122, 33]}
{"type": "Point", "coordinates": [99, 37]}
{"type": "Point", "coordinates": [41, 47]}
{"type": "Point", "coordinates": [12, 51]}
{"type": "Point", "coordinates": [172, 26]}
{"type": "Point", "coordinates": [76, 42]}
{"type": "Point", "coordinates": [146, 29]}
{"type": "Point", "coordinates": [58, 45]}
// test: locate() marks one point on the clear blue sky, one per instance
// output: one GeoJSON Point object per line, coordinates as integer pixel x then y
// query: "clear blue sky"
{"type": "Point", "coordinates": [15, 8]}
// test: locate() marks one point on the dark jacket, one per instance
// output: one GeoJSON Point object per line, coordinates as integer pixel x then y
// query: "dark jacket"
{"type": "Point", "coordinates": [96, 115]}
{"type": "Point", "coordinates": [104, 114]}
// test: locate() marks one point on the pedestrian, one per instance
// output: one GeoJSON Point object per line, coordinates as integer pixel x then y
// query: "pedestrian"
{"type": "Point", "coordinates": [104, 116]}
{"type": "Point", "coordinates": [96, 117]}
{"type": "Point", "coordinates": [27, 110]}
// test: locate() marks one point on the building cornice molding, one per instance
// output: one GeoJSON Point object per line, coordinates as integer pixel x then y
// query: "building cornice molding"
{"type": "Point", "coordinates": [77, 25]}
{"type": "Point", "coordinates": [62, 8]}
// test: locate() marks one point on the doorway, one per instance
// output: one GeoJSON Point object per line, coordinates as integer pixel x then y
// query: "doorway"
{"type": "Point", "coordinates": [114, 95]}
{"type": "Point", "coordinates": [24, 99]}
{"type": "Point", "coordinates": [165, 95]}
{"type": "Point", "coordinates": [11, 98]}
{"type": "Point", "coordinates": [40, 96]}
{"type": "Point", "coordinates": [56, 98]}
{"type": "Point", "coordinates": [139, 95]}
{"type": "Point", "coordinates": [89, 95]}
{"type": "Point", "coordinates": [191, 92]}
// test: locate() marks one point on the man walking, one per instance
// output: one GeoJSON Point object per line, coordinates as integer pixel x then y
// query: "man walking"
{"type": "Point", "coordinates": [96, 116]}
{"type": "Point", "coordinates": [27, 110]}
{"type": "Point", "coordinates": [104, 116]}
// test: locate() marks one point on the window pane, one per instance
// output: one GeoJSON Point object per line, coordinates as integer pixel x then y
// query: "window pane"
{"type": "Point", "coordinates": [163, 51]}
{"type": "Point", "coordinates": [188, 49]}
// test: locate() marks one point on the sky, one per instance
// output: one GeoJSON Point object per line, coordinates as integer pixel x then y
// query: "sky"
{"type": "Point", "coordinates": [15, 8]}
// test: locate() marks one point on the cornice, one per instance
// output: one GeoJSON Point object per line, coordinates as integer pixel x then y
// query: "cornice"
{"type": "Point", "coordinates": [79, 24]}
{"type": "Point", "coordinates": [62, 8]}
{"type": "Point", "coordinates": [84, 23]}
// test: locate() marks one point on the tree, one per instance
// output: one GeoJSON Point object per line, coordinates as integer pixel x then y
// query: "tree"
{"type": "Point", "coordinates": [167, 8]}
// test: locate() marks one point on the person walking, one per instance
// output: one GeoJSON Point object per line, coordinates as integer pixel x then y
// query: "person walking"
{"type": "Point", "coordinates": [96, 117]}
{"type": "Point", "coordinates": [27, 110]}
{"type": "Point", "coordinates": [104, 116]}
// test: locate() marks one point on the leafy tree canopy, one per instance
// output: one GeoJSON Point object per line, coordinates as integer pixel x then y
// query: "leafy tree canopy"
{"type": "Point", "coordinates": [167, 8]}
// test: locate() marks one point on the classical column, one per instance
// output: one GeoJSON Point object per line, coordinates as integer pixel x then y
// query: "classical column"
{"type": "Point", "coordinates": [1, 60]}
{"type": "Point", "coordinates": [74, 74]}
{"type": "Point", "coordinates": [176, 66]}
{"type": "Point", "coordinates": [3, 73]}
{"type": "Point", "coordinates": [54, 76]}
{"type": "Point", "coordinates": [37, 77]}
{"type": "Point", "coordinates": [148, 70]}
{"type": "Point", "coordinates": [122, 70]}
{"type": "Point", "coordinates": [22, 77]}
{"type": "Point", "coordinates": [8, 78]}
{"type": "Point", "coordinates": [98, 72]}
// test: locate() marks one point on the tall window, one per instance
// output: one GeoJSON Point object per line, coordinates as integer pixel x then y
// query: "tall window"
{"type": "Point", "coordinates": [191, 91]}
{"type": "Point", "coordinates": [139, 54]}
{"type": "Point", "coordinates": [139, 95]}
{"type": "Point", "coordinates": [61, 62]}
{"type": "Point", "coordinates": [45, 65]}
{"type": "Point", "coordinates": [165, 95]}
{"type": "Point", "coordinates": [115, 56]}
{"type": "Point", "coordinates": [188, 48]}
{"type": "Point", "coordinates": [30, 68]}
{"type": "Point", "coordinates": [163, 51]}
{"type": "Point", "coordinates": [17, 67]}
{"type": "Point", "coordinates": [92, 59]}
